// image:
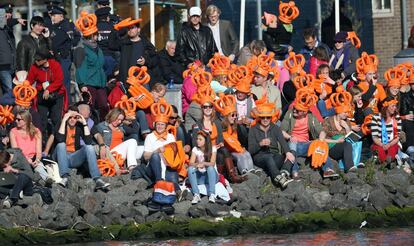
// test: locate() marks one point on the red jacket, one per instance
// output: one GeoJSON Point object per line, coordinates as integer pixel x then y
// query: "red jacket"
{"type": "Point", "coordinates": [53, 74]}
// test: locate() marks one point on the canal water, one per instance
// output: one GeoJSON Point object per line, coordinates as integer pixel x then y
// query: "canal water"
{"type": "Point", "coordinates": [388, 236]}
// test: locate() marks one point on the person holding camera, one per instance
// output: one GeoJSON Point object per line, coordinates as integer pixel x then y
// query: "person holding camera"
{"type": "Point", "coordinates": [71, 154]}
{"type": "Point", "coordinates": [51, 93]}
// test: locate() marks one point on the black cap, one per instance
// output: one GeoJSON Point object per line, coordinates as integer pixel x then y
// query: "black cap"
{"type": "Point", "coordinates": [102, 12]}
{"type": "Point", "coordinates": [102, 2]}
{"type": "Point", "coordinates": [341, 36]}
{"type": "Point", "coordinates": [41, 54]}
{"type": "Point", "coordinates": [8, 7]}
{"type": "Point", "coordinates": [57, 10]}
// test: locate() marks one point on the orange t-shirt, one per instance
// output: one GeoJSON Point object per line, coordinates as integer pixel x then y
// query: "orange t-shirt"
{"type": "Point", "coordinates": [213, 135]}
{"type": "Point", "coordinates": [70, 139]}
{"type": "Point", "coordinates": [300, 132]}
{"type": "Point", "coordinates": [117, 138]}
{"type": "Point", "coordinates": [379, 95]}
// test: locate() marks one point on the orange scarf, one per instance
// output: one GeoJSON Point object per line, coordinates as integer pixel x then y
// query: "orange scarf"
{"type": "Point", "coordinates": [161, 136]}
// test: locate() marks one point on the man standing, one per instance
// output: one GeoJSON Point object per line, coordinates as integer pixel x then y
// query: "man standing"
{"type": "Point", "coordinates": [170, 68]}
{"type": "Point", "coordinates": [105, 27]}
{"type": "Point", "coordinates": [195, 41]}
{"type": "Point", "coordinates": [224, 35]}
{"type": "Point", "coordinates": [311, 43]}
{"type": "Point", "coordinates": [7, 54]}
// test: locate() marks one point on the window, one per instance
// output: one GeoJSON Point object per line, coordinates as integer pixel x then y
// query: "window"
{"type": "Point", "coordinates": [382, 8]}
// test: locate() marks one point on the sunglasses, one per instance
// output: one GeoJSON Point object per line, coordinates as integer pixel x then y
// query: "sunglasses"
{"type": "Point", "coordinates": [265, 118]}
{"type": "Point", "coordinates": [74, 117]}
{"type": "Point", "coordinates": [18, 119]}
{"type": "Point", "coordinates": [173, 118]}
{"type": "Point", "coordinates": [207, 106]}
{"type": "Point", "coordinates": [234, 115]}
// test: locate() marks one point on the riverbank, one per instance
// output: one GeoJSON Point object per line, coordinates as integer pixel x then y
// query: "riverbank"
{"type": "Point", "coordinates": [379, 196]}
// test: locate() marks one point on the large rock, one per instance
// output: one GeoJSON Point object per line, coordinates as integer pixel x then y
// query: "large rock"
{"type": "Point", "coordinates": [284, 205]}
{"type": "Point", "coordinates": [337, 187]}
{"type": "Point", "coordinates": [322, 199]}
{"type": "Point", "coordinates": [92, 202]}
{"type": "Point", "coordinates": [379, 199]}
{"type": "Point", "coordinates": [182, 207]}
{"type": "Point", "coordinates": [217, 210]}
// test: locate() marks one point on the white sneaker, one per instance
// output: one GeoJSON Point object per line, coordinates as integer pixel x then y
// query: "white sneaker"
{"type": "Point", "coordinates": [196, 199]}
{"type": "Point", "coordinates": [212, 198]}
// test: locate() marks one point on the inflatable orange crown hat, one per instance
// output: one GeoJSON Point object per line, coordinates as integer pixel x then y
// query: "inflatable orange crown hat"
{"type": "Point", "coordinates": [341, 100]}
{"type": "Point", "coordinates": [407, 68]}
{"type": "Point", "coordinates": [128, 105]}
{"type": "Point", "coordinates": [6, 114]}
{"type": "Point", "coordinates": [225, 104]}
{"type": "Point", "coordinates": [241, 75]}
{"type": "Point", "coordinates": [106, 167]}
{"type": "Point", "coordinates": [305, 98]}
{"type": "Point", "coordinates": [266, 110]}
{"type": "Point", "coordinates": [288, 12]}
{"type": "Point", "coordinates": [354, 39]}
{"type": "Point", "coordinates": [194, 67]}
{"type": "Point", "coordinates": [367, 63]}
{"type": "Point", "coordinates": [138, 75]}
{"type": "Point", "coordinates": [219, 64]}
{"type": "Point", "coordinates": [86, 23]}
{"type": "Point", "coordinates": [295, 63]}
{"type": "Point", "coordinates": [202, 79]}
{"type": "Point", "coordinates": [269, 18]}
{"type": "Point", "coordinates": [264, 64]}
{"type": "Point", "coordinates": [303, 81]}
{"type": "Point", "coordinates": [126, 23]}
{"type": "Point", "coordinates": [161, 111]}
{"type": "Point", "coordinates": [394, 76]}
{"type": "Point", "coordinates": [24, 94]}
{"type": "Point", "coordinates": [204, 95]}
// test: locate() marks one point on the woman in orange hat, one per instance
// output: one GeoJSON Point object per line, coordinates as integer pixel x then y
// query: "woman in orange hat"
{"type": "Point", "coordinates": [245, 106]}
{"type": "Point", "coordinates": [407, 111]}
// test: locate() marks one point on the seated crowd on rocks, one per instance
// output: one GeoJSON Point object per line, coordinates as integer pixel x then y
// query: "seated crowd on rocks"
{"type": "Point", "coordinates": [257, 110]}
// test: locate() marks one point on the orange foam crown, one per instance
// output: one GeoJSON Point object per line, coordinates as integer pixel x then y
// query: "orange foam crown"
{"type": "Point", "coordinates": [225, 104]}
{"type": "Point", "coordinates": [354, 39]}
{"type": "Point", "coordinates": [128, 105]}
{"type": "Point", "coordinates": [303, 81]}
{"type": "Point", "coordinates": [408, 70]}
{"type": "Point", "coordinates": [367, 63]}
{"type": "Point", "coordinates": [220, 65]}
{"type": "Point", "coordinates": [6, 114]}
{"type": "Point", "coordinates": [86, 23]}
{"type": "Point", "coordinates": [305, 98]}
{"type": "Point", "coordinates": [138, 75]}
{"type": "Point", "coordinates": [24, 94]}
{"type": "Point", "coordinates": [394, 76]}
{"type": "Point", "coordinates": [341, 100]}
{"type": "Point", "coordinates": [204, 95]}
{"type": "Point", "coordinates": [288, 12]}
{"type": "Point", "coordinates": [240, 76]}
{"type": "Point", "coordinates": [264, 64]}
{"type": "Point", "coordinates": [196, 65]}
{"type": "Point", "coordinates": [202, 79]}
{"type": "Point", "coordinates": [161, 111]}
{"type": "Point", "coordinates": [126, 23]}
{"type": "Point", "coordinates": [295, 63]}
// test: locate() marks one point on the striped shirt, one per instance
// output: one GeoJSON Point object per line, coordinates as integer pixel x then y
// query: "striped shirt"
{"type": "Point", "coordinates": [376, 127]}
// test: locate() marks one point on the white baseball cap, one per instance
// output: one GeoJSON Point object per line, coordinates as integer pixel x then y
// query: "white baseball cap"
{"type": "Point", "coordinates": [195, 11]}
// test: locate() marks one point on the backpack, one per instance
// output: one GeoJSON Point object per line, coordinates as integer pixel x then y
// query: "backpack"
{"type": "Point", "coordinates": [164, 192]}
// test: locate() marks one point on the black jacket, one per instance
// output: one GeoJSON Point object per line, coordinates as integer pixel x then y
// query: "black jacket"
{"type": "Point", "coordinates": [79, 133]}
{"type": "Point", "coordinates": [406, 103]}
{"type": "Point", "coordinates": [278, 143]}
{"type": "Point", "coordinates": [26, 50]}
{"type": "Point", "coordinates": [193, 44]}
{"type": "Point", "coordinates": [170, 67]}
{"type": "Point", "coordinates": [276, 40]}
{"type": "Point", "coordinates": [64, 38]}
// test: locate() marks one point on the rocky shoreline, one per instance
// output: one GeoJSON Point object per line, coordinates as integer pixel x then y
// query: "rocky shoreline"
{"type": "Point", "coordinates": [379, 196]}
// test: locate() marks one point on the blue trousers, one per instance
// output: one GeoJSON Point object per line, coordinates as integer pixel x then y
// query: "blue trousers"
{"type": "Point", "coordinates": [209, 177]}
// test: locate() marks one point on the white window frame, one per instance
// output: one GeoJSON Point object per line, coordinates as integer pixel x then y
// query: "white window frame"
{"type": "Point", "coordinates": [380, 13]}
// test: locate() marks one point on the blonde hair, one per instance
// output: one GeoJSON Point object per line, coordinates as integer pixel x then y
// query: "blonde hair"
{"type": "Point", "coordinates": [211, 9]}
{"type": "Point", "coordinates": [27, 118]}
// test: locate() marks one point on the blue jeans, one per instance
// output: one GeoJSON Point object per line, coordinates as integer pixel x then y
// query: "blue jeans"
{"type": "Point", "coordinates": [156, 171]}
{"type": "Point", "coordinates": [66, 160]}
{"type": "Point", "coordinates": [66, 63]}
{"type": "Point", "coordinates": [142, 120]}
{"type": "Point", "coordinates": [6, 81]}
{"type": "Point", "coordinates": [301, 150]}
{"type": "Point", "coordinates": [109, 65]}
{"type": "Point", "coordinates": [210, 178]}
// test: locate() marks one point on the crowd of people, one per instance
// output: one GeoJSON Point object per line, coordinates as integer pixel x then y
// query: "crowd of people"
{"type": "Point", "coordinates": [257, 109]}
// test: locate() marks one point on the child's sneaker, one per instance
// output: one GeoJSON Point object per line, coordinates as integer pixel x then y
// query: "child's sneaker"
{"type": "Point", "coordinates": [212, 198]}
{"type": "Point", "coordinates": [196, 199]}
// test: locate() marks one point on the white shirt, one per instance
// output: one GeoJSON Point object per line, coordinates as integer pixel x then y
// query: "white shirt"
{"type": "Point", "coordinates": [216, 34]}
{"type": "Point", "coordinates": [152, 143]}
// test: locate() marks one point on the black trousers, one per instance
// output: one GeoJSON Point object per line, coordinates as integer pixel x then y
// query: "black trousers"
{"type": "Point", "coordinates": [272, 163]}
{"type": "Point", "coordinates": [342, 151]}
{"type": "Point", "coordinates": [23, 183]}
{"type": "Point", "coordinates": [50, 109]}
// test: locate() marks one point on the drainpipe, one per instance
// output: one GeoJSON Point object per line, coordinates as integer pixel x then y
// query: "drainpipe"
{"type": "Point", "coordinates": [197, 3]}
{"type": "Point", "coordinates": [73, 9]}
{"type": "Point", "coordinates": [136, 9]}
{"type": "Point", "coordinates": [152, 21]}
{"type": "Point", "coordinates": [242, 17]}
{"type": "Point", "coordinates": [111, 5]}
{"type": "Point", "coordinates": [319, 19]}
{"type": "Point", "coordinates": [404, 26]}
{"type": "Point", "coordinates": [259, 20]}
{"type": "Point", "coordinates": [29, 10]}
{"type": "Point", "coordinates": [337, 24]}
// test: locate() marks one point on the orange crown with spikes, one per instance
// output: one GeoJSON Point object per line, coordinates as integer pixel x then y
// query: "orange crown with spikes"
{"type": "Point", "coordinates": [241, 75]}
{"type": "Point", "coordinates": [354, 39]}
{"type": "Point", "coordinates": [341, 100]}
{"type": "Point", "coordinates": [86, 23]}
{"type": "Point", "coordinates": [410, 75]}
{"type": "Point", "coordinates": [225, 104]}
{"type": "Point", "coordinates": [408, 70]}
{"type": "Point", "coordinates": [305, 98]}
{"type": "Point", "coordinates": [6, 114]}
{"type": "Point", "coordinates": [264, 64]}
{"type": "Point", "coordinates": [367, 63]}
{"type": "Point", "coordinates": [204, 95]}
{"type": "Point", "coordinates": [303, 81]}
{"type": "Point", "coordinates": [295, 63]}
{"type": "Point", "coordinates": [24, 94]}
{"type": "Point", "coordinates": [128, 105]}
{"type": "Point", "coordinates": [264, 106]}
{"type": "Point", "coordinates": [220, 65]}
{"type": "Point", "coordinates": [161, 111]}
{"type": "Point", "coordinates": [288, 12]}
{"type": "Point", "coordinates": [138, 75]}
{"type": "Point", "coordinates": [202, 79]}
{"type": "Point", "coordinates": [394, 76]}
{"type": "Point", "coordinates": [194, 67]}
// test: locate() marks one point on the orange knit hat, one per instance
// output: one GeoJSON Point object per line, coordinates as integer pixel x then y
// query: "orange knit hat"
{"type": "Point", "coordinates": [295, 63]}
{"type": "Point", "coordinates": [126, 23]}
{"type": "Point", "coordinates": [204, 95]}
{"type": "Point", "coordinates": [288, 12]}
{"type": "Point", "coordinates": [394, 76]}
{"type": "Point", "coordinates": [138, 75]}
{"type": "Point", "coordinates": [305, 98]}
{"type": "Point", "coordinates": [220, 65]}
{"type": "Point", "coordinates": [225, 104]}
{"type": "Point", "coordinates": [341, 100]}
{"type": "Point", "coordinates": [24, 94]}
{"type": "Point", "coordinates": [161, 111]}
{"type": "Point", "coordinates": [86, 23]}
{"type": "Point", "coordinates": [128, 105]}
{"type": "Point", "coordinates": [367, 63]}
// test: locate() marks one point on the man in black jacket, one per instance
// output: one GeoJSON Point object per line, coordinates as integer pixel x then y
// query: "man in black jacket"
{"type": "Point", "coordinates": [70, 153]}
{"type": "Point", "coordinates": [195, 41]}
{"type": "Point", "coordinates": [170, 67]}
{"type": "Point", "coordinates": [7, 54]}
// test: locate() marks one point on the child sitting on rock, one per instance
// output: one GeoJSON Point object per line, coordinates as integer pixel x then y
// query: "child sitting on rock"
{"type": "Point", "coordinates": [202, 169]}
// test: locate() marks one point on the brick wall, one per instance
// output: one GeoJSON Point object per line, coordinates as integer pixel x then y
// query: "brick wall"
{"type": "Point", "coordinates": [388, 35]}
